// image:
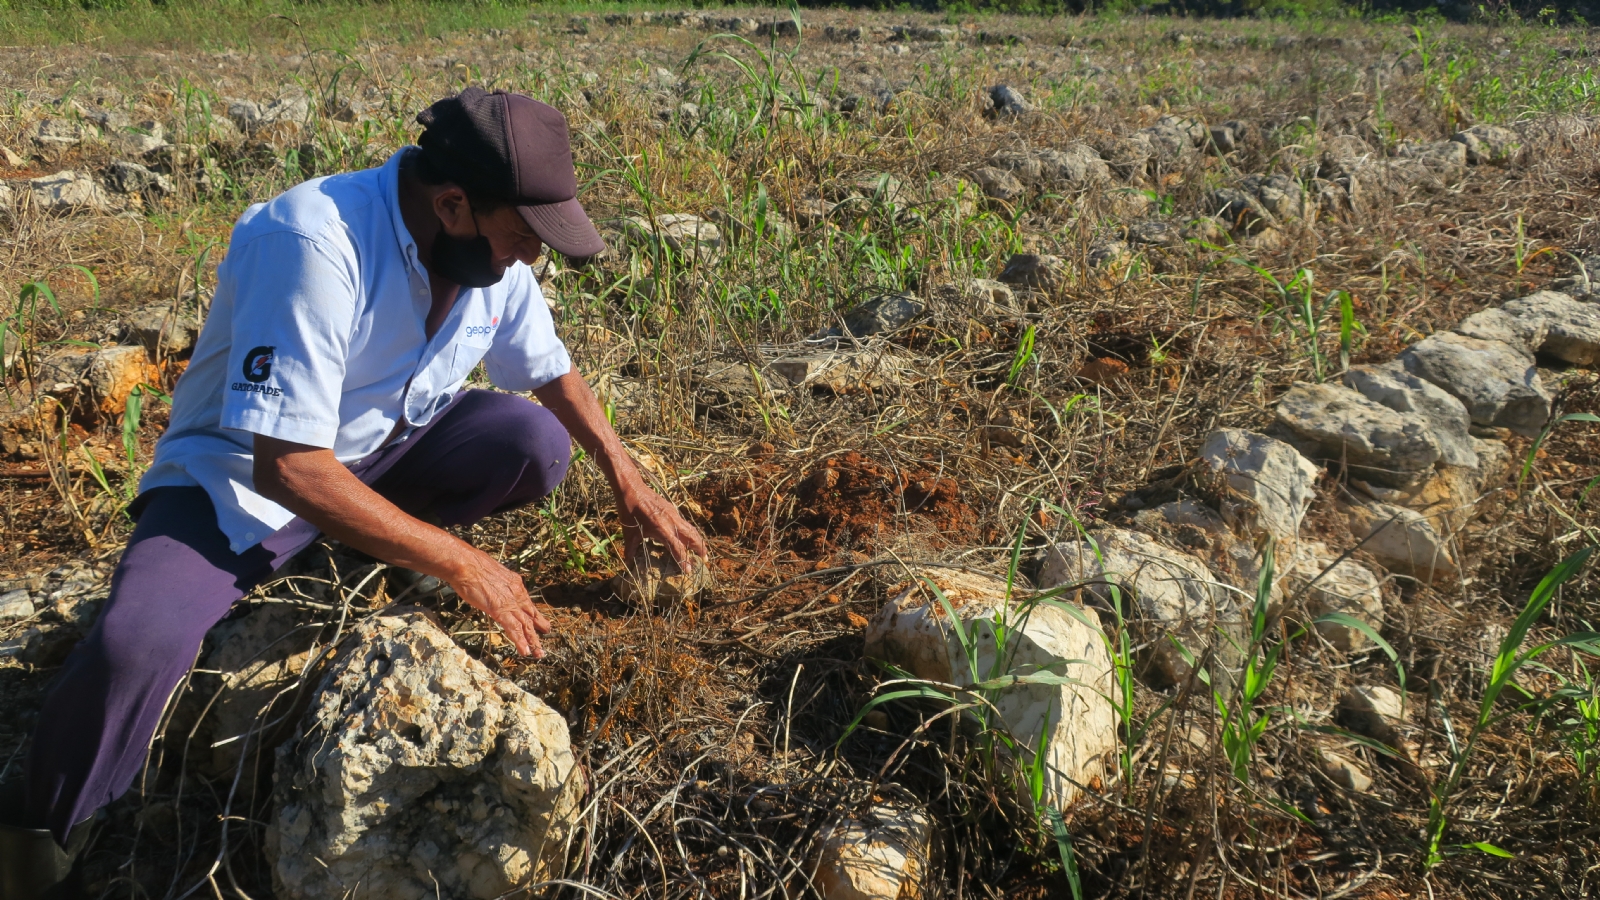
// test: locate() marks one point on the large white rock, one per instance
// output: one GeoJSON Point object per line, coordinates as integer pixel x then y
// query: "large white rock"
{"type": "Point", "coordinates": [1403, 540]}
{"type": "Point", "coordinates": [1444, 416]}
{"type": "Point", "coordinates": [1571, 327]}
{"type": "Point", "coordinates": [1373, 441]}
{"type": "Point", "coordinates": [420, 774]}
{"type": "Point", "coordinates": [1076, 720]}
{"type": "Point", "coordinates": [882, 856]}
{"type": "Point", "coordinates": [1165, 594]}
{"type": "Point", "coordinates": [1497, 382]}
{"type": "Point", "coordinates": [1277, 483]}
{"type": "Point", "coordinates": [246, 679]}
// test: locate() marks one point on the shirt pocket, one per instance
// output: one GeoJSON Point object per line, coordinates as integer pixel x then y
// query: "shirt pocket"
{"type": "Point", "coordinates": [465, 358]}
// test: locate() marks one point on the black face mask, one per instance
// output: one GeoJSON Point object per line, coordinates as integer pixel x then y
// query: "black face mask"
{"type": "Point", "coordinates": [469, 262]}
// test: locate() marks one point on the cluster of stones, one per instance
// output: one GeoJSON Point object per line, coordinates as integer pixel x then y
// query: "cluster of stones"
{"type": "Point", "coordinates": [1350, 178]}
{"type": "Point", "coordinates": [789, 28]}
{"type": "Point", "coordinates": [1419, 442]}
{"type": "Point", "coordinates": [90, 384]}
{"type": "Point", "coordinates": [147, 157]}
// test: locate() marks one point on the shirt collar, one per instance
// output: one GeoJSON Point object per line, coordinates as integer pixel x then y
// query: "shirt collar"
{"type": "Point", "coordinates": [389, 179]}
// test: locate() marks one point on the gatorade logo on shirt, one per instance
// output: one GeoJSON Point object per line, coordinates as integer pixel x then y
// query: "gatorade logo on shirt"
{"type": "Point", "coordinates": [257, 369]}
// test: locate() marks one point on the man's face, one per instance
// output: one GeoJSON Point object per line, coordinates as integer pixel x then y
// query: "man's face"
{"type": "Point", "coordinates": [510, 238]}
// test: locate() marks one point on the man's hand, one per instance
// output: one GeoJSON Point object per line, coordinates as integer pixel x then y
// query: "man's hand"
{"type": "Point", "coordinates": [646, 514]}
{"type": "Point", "coordinates": [311, 483]}
{"type": "Point", "coordinates": [486, 585]}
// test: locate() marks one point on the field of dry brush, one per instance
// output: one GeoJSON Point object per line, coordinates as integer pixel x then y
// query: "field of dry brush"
{"type": "Point", "coordinates": [1069, 330]}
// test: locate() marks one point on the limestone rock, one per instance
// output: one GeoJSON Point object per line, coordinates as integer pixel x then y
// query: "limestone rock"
{"type": "Point", "coordinates": [1155, 232]}
{"type": "Point", "coordinates": [162, 333]}
{"type": "Point", "coordinates": [114, 372]}
{"type": "Point", "coordinates": [19, 429]}
{"type": "Point", "coordinates": [1375, 711]}
{"type": "Point", "coordinates": [1488, 144]}
{"type": "Point", "coordinates": [1444, 416]}
{"type": "Point", "coordinates": [1005, 100]}
{"type": "Point", "coordinates": [692, 238]}
{"type": "Point", "coordinates": [1202, 531]}
{"type": "Point", "coordinates": [1163, 591]}
{"type": "Point", "coordinates": [1041, 272]}
{"type": "Point", "coordinates": [419, 773]}
{"type": "Point", "coordinates": [1076, 723]}
{"type": "Point", "coordinates": [1497, 382]}
{"type": "Point", "coordinates": [250, 117]}
{"type": "Point", "coordinates": [131, 178]}
{"type": "Point", "coordinates": [844, 370]}
{"type": "Point", "coordinates": [61, 372]}
{"type": "Point", "coordinates": [998, 184]}
{"type": "Point", "coordinates": [883, 314]}
{"type": "Point", "coordinates": [652, 576]}
{"type": "Point", "coordinates": [882, 856]}
{"type": "Point", "coordinates": [1128, 157]}
{"type": "Point", "coordinates": [14, 605]}
{"type": "Point", "coordinates": [69, 191]}
{"type": "Point", "coordinates": [250, 665]}
{"type": "Point", "coordinates": [1073, 167]}
{"type": "Point", "coordinates": [1373, 441]}
{"type": "Point", "coordinates": [1345, 772]}
{"type": "Point", "coordinates": [1275, 481]}
{"type": "Point", "coordinates": [1445, 159]}
{"type": "Point", "coordinates": [1333, 585]}
{"type": "Point", "coordinates": [1527, 332]}
{"type": "Point", "coordinates": [1280, 195]}
{"type": "Point", "coordinates": [1402, 540]}
{"type": "Point", "coordinates": [1241, 212]}
{"type": "Point", "coordinates": [1571, 327]}
{"type": "Point", "coordinates": [54, 136]}
{"type": "Point", "coordinates": [729, 389]}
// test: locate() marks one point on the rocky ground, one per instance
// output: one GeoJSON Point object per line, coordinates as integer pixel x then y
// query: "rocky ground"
{"type": "Point", "coordinates": [1127, 448]}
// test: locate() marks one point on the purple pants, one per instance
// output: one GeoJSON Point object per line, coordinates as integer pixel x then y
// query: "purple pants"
{"type": "Point", "coordinates": [485, 453]}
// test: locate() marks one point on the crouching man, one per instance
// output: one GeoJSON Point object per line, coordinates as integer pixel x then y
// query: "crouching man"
{"type": "Point", "coordinates": [325, 397]}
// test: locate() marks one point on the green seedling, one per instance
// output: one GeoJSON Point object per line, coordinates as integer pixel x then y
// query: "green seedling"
{"type": "Point", "coordinates": [1510, 658]}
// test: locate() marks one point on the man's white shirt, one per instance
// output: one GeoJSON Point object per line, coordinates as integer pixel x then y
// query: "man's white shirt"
{"type": "Point", "coordinates": [316, 336]}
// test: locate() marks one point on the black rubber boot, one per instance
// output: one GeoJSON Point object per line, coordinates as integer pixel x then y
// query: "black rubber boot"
{"type": "Point", "coordinates": [32, 865]}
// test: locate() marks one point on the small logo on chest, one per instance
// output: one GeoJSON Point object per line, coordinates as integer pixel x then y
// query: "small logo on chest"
{"type": "Point", "coordinates": [482, 330]}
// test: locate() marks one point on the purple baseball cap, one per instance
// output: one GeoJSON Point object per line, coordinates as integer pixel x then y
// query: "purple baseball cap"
{"type": "Point", "coordinates": [517, 149]}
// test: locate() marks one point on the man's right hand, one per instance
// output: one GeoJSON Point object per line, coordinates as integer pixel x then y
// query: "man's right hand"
{"type": "Point", "coordinates": [312, 484]}
{"type": "Point", "coordinates": [486, 585]}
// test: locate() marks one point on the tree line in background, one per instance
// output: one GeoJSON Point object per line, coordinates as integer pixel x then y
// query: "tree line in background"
{"type": "Point", "coordinates": [1553, 12]}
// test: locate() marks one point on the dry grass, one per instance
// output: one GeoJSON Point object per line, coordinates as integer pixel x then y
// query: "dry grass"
{"type": "Point", "coordinates": [709, 732]}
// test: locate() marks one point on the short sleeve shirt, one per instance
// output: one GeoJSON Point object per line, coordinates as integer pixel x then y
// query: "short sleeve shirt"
{"type": "Point", "coordinates": [316, 335]}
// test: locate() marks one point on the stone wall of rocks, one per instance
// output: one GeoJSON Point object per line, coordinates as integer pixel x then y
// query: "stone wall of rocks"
{"type": "Point", "coordinates": [1414, 446]}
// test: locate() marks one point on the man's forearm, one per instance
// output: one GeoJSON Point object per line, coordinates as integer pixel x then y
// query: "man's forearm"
{"type": "Point", "coordinates": [313, 485]}
{"type": "Point", "coordinates": [580, 412]}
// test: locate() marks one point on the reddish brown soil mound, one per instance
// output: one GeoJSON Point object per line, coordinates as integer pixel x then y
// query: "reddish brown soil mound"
{"type": "Point", "coordinates": [845, 503]}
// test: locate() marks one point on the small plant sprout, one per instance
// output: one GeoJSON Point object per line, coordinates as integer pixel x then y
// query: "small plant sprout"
{"type": "Point", "coordinates": [1510, 658]}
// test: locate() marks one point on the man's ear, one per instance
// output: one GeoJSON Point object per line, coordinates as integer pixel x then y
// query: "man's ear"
{"type": "Point", "coordinates": [453, 210]}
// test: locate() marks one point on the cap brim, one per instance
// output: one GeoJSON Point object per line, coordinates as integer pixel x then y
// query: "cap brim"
{"type": "Point", "coordinates": [564, 227]}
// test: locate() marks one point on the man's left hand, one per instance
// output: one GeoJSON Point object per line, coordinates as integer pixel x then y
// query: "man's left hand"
{"type": "Point", "coordinates": [646, 514]}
